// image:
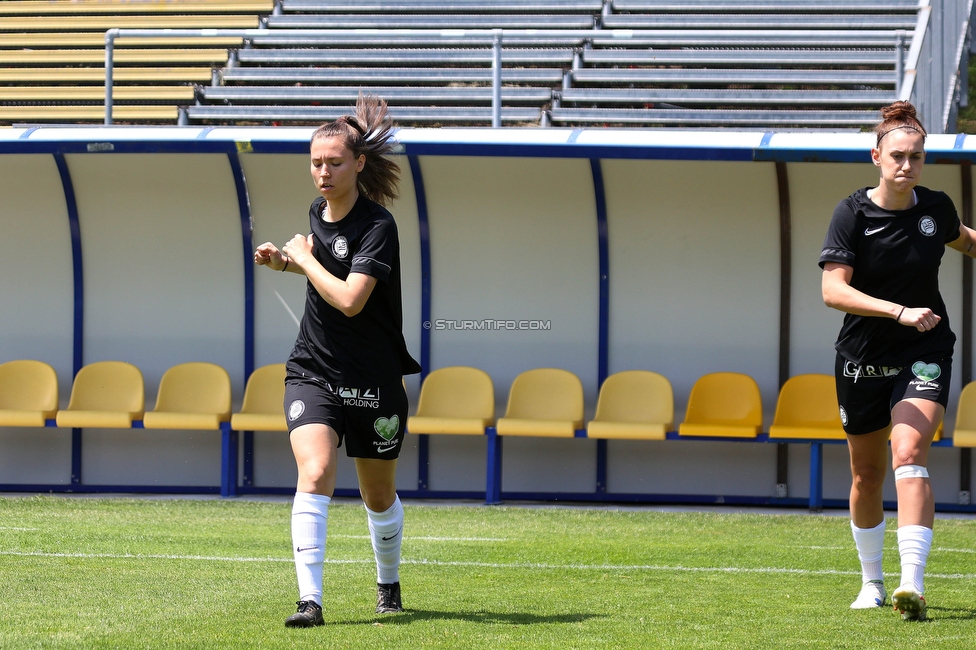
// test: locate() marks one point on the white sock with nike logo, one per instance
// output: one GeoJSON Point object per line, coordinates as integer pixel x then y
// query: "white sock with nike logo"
{"type": "Point", "coordinates": [386, 533]}
{"type": "Point", "coordinates": [309, 519]}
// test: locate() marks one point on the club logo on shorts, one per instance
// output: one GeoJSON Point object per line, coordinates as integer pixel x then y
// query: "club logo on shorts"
{"type": "Point", "coordinates": [340, 247]}
{"type": "Point", "coordinates": [926, 371]}
{"type": "Point", "coordinates": [387, 428]}
{"type": "Point", "coordinates": [843, 416]}
{"type": "Point", "coordinates": [926, 226]}
{"type": "Point", "coordinates": [296, 409]}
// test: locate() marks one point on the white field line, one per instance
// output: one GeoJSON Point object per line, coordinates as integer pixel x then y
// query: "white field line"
{"type": "Point", "coordinates": [485, 565]}
{"type": "Point", "coordinates": [433, 539]}
{"type": "Point", "coordinates": [893, 548]}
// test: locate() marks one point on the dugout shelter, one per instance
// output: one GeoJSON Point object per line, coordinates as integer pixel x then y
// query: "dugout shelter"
{"type": "Point", "coordinates": [596, 251]}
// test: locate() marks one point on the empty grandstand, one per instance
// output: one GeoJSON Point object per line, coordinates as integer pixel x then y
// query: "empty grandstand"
{"type": "Point", "coordinates": [690, 63]}
{"type": "Point", "coordinates": [52, 57]}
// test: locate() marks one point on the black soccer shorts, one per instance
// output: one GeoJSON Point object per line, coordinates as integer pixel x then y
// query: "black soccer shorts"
{"type": "Point", "coordinates": [868, 392]}
{"type": "Point", "coordinates": [371, 421]}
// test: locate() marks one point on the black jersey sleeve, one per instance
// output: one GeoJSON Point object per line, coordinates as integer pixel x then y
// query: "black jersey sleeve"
{"type": "Point", "coordinates": [377, 250]}
{"type": "Point", "coordinates": [953, 224]}
{"type": "Point", "coordinates": [839, 244]}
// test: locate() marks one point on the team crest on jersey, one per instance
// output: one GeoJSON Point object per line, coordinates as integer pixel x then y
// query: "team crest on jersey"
{"type": "Point", "coordinates": [926, 226]}
{"type": "Point", "coordinates": [340, 247]}
{"type": "Point", "coordinates": [296, 409]}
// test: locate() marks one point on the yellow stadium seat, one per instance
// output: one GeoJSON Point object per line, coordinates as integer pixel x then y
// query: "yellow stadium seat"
{"type": "Point", "coordinates": [167, 74]}
{"type": "Point", "coordinates": [454, 400]}
{"type": "Point", "coordinates": [66, 40]}
{"type": "Point", "coordinates": [723, 404]}
{"type": "Point", "coordinates": [183, 94]}
{"type": "Point", "coordinates": [192, 395]}
{"type": "Point", "coordinates": [85, 113]}
{"type": "Point", "coordinates": [634, 404]}
{"type": "Point", "coordinates": [74, 7]}
{"type": "Point", "coordinates": [105, 394]}
{"type": "Point", "coordinates": [264, 397]}
{"type": "Point", "coordinates": [807, 408]}
{"type": "Point", "coordinates": [28, 393]}
{"type": "Point", "coordinates": [965, 433]}
{"type": "Point", "coordinates": [104, 23]}
{"type": "Point", "coordinates": [157, 55]}
{"type": "Point", "coordinates": [543, 402]}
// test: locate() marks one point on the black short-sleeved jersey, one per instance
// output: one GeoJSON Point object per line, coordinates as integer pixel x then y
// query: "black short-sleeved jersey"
{"type": "Point", "coordinates": [367, 349]}
{"type": "Point", "coordinates": [895, 255]}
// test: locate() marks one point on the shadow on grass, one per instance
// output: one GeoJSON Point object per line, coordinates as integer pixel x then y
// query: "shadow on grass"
{"type": "Point", "coordinates": [492, 618]}
{"type": "Point", "coordinates": [952, 613]}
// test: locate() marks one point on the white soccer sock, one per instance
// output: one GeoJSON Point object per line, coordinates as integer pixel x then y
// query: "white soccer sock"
{"type": "Point", "coordinates": [309, 519]}
{"type": "Point", "coordinates": [870, 546]}
{"type": "Point", "coordinates": [386, 533]}
{"type": "Point", "coordinates": [914, 544]}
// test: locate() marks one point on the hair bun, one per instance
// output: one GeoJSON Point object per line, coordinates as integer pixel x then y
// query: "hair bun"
{"type": "Point", "coordinates": [899, 111]}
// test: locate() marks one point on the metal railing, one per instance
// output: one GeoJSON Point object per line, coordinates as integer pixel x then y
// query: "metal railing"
{"type": "Point", "coordinates": [492, 37]}
{"type": "Point", "coordinates": [934, 74]}
{"type": "Point", "coordinates": [929, 75]}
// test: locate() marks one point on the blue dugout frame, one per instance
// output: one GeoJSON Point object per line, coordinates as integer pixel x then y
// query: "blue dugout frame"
{"type": "Point", "coordinates": [592, 144]}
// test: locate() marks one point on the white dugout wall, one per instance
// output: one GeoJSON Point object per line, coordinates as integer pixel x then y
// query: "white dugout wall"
{"type": "Point", "coordinates": [133, 244]}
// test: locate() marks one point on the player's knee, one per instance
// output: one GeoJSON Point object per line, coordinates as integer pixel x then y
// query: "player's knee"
{"type": "Point", "coordinates": [318, 479]}
{"type": "Point", "coordinates": [910, 471]}
{"type": "Point", "coordinates": [904, 456]}
{"type": "Point", "coordinates": [869, 478]}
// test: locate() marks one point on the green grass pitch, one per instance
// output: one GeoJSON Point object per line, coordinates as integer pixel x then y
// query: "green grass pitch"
{"type": "Point", "coordinates": [184, 573]}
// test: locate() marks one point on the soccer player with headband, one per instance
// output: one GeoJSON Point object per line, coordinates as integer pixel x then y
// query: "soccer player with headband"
{"type": "Point", "coordinates": [344, 381]}
{"type": "Point", "coordinates": [880, 263]}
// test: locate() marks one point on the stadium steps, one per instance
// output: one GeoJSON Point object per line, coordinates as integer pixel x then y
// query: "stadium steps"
{"type": "Point", "coordinates": [52, 57]}
{"type": "Point", "coordinates": [696, 63]}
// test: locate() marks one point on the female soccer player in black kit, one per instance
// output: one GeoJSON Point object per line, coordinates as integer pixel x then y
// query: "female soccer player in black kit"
{"type": "Point", "coordinates": [880, 265]}
{"type": "Point", "coordinates": [344, 375]}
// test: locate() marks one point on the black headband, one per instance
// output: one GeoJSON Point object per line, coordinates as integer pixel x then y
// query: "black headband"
{"type": "Point", "coordinates": [903, 126]}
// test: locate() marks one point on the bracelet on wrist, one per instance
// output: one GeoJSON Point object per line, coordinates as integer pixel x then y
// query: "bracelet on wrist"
{"type": "Point", "coordinates": [285, 267]}
{"type": "Point", "coordinates": [898, 317]}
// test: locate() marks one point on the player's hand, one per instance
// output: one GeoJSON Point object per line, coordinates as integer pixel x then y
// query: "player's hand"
{"type": "Point", "coordinates": [299, 249]}
{"type": "Point", "coordinates": [921, 318]}
{"type": "Point", "coordinates": [267, 254]}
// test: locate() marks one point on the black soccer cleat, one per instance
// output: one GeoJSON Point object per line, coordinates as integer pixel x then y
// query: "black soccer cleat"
{"type": "Point", "coordinates": [388, 598]}
{"type": "Point", "coordinates": [309, 614]}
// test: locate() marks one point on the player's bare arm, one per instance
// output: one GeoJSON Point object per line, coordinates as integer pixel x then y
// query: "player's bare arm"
{"type": "Point", "coordinates": [348, 296]}
{"type": "Point", "coordinates": [267, 254]}
{"type": "Point", "coordinates": [839, 294]}
{"type": "Point", "coordinates": [966, 242]}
